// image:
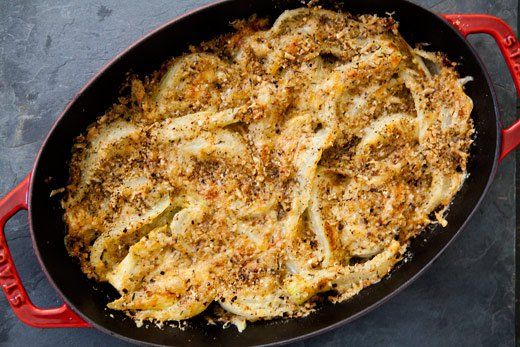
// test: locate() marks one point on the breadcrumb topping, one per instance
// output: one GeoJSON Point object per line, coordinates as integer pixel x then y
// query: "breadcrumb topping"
{"type": "Point", "coordinates": [268, 169]}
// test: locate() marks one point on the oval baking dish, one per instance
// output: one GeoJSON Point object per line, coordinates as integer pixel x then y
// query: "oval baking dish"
{"type": "Point", "coordinates": [85, 301]}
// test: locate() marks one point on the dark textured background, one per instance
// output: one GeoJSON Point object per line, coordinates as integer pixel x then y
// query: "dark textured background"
{"type": "Point", "coordinates": [48, 50]}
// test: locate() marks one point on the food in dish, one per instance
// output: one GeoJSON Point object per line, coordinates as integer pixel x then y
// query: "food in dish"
{"type": "Point", "coordinates": [268, 166]}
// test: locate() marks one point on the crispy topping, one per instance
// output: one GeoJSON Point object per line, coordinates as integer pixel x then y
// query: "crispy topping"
{"type": "Point", "coordinates": [266, 167]}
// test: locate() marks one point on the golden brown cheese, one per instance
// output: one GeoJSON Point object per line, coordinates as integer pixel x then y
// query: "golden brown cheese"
{"type": "Point", "coordinates": [268, 166]}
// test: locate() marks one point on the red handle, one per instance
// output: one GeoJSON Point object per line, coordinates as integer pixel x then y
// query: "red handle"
{"type": "Point", "coordinates": [61, 317]}
{"type": "Point", "coordinates": [505, 37]}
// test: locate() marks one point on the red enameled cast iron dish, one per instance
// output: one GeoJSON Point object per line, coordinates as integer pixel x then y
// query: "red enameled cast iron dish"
{"type": "Point", "coordinates": [85, 301]}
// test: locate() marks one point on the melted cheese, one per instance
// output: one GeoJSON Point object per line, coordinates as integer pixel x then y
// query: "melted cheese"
{"type": "Point", "coordinates": [266, 167]}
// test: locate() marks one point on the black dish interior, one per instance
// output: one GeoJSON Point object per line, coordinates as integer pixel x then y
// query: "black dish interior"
{"type": "Point", "coordinates": [89, 299]}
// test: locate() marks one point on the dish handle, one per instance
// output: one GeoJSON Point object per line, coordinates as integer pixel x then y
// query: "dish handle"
{"type": "Point", "coordinates": [504, 36]}
{"type": "Point", "coordinates": [25, 310]}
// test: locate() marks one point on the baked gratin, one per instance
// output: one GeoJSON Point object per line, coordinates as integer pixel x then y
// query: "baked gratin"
{"type": "Point", "coordinates": [267, 167]}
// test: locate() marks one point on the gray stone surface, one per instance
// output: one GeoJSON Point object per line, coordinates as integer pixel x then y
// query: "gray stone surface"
{"type": "Point", "coordinates": [49, 49]}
